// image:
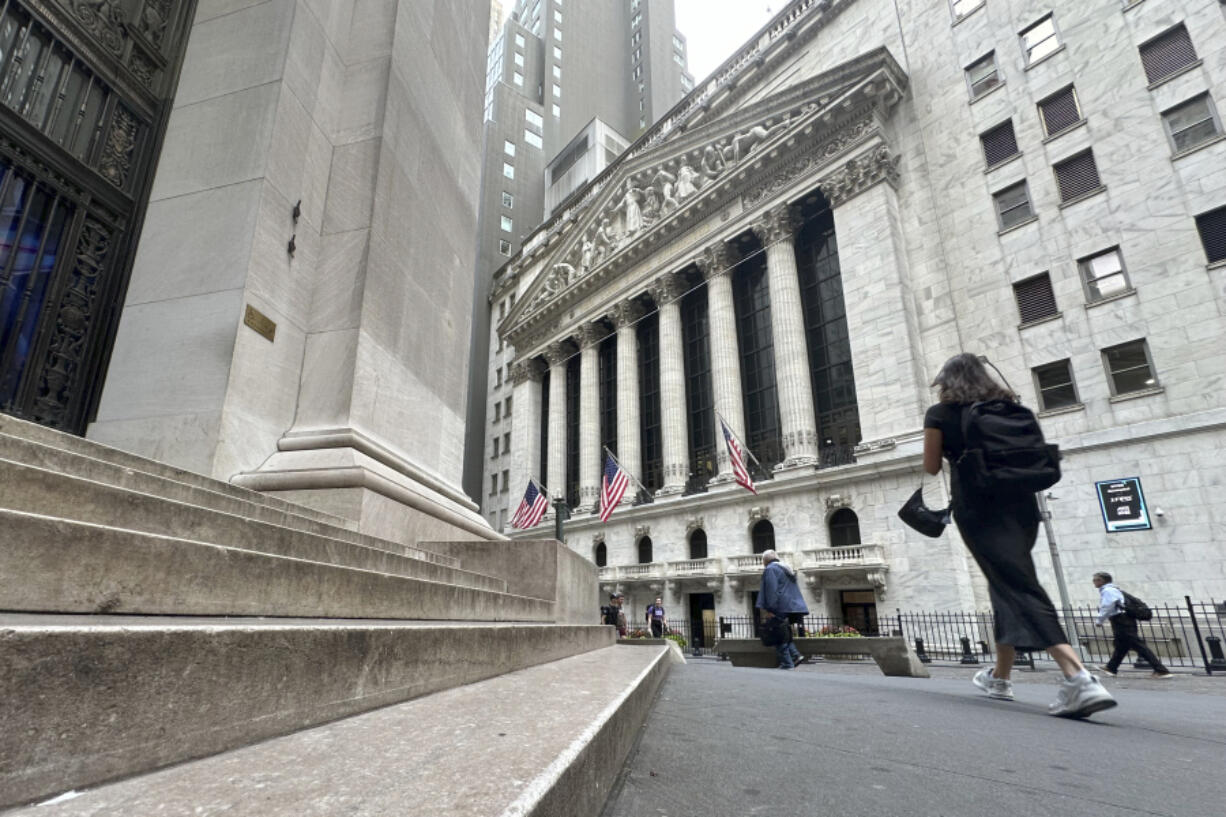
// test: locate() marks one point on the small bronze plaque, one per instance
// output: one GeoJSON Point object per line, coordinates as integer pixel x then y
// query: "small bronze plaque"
{"type": "Point", "coordinates": [260, 322]}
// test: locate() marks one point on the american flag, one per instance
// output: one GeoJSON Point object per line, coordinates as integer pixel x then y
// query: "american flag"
{"type": "Point", "coordinates": [612, 487]}
{"type": "Point", "coordinates": [739, 471]}
{"type": "Point", "coordinates": [532, 508]}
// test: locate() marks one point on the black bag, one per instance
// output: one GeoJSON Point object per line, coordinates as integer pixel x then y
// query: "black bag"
{"type": "Point", "coordinates": [1005, 453]}
{"type": "Point", "coordinates": [775, 631]}
{"type": "Point", "coordinates": [919, 516]}
{"type": "Point", "coordinates": [1136, 608]}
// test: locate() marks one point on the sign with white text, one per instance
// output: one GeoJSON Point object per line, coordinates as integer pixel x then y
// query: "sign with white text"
{"type": "Point", "coordinates": [1123, 504]}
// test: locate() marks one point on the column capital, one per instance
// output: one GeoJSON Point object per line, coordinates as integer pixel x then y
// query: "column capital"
{"type": "Point", "coordinates": [524, 370]}
{"type": "Point", "coordinates": [627, 313]}
{"type": "Point", "coordinates": [715, 260]}
{"type": "Point", "coordinates": [859, 174]}
{"type": "Point", "coordinates": [779, 223]}
{"type": "Point", "coordinates": [558, 351]}
{"type": "Point", "coordinates": [589, 334]}
{"type": "Point", "coordinates": [667, 288]}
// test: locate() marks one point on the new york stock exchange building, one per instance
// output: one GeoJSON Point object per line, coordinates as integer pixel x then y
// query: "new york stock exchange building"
{"type": "Point", "coordinates": [860, 192]}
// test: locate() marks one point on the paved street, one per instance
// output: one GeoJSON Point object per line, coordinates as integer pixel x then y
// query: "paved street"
{"type": "Point", "coordinates": [842, 740]}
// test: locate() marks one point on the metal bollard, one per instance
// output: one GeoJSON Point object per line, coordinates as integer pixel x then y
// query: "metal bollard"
{"type": "Point", "coordinates": [919, 652]}
{"type": "Point", "coordinates": [968, 657]}
{"type": "Point", "coordinates": [1218, 661]}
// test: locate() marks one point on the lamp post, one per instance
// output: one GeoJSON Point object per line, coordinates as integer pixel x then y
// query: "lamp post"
{"type": "Point", "coordinates": [1058, 569]}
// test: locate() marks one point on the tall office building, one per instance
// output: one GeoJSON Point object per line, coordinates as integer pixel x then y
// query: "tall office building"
{"type": "Point", "coordinates": [569, 85]}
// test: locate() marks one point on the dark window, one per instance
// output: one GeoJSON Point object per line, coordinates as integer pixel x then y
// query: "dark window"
{"type": "Point", "coordinates": [572, 431]}
{"type": "Point", "coordinates": [829, 345]}
{"type": "Point", "coordinates": [1035, 299]}
{"type": "Point", "coordinates": [1212, 227]}
{"type": "Point", "coordinates": [647, 331]}
{"type": "Point", "coordinates": [700, 404]}
{"type": "Point", "coordinates": [751, 298]}
{"type": "Point", "coordinates": [1167, 54]}
{"type": "Point", "coordinates": [1128, 367]}
{"type": "Point", "coordinates": [544, 452]}
{"type": "Point", "coordinates": [602, 555]}
{"type": "Point", "coordinates": [982, 75]}
{"type": "Point", "coordinates": [698, 544]}
{"type": "Point", "coordinates": [999, 143]}
{"type": "Point", "coordinates": [844, 528]}
{"type": "Point", "coordinates": [763, 536]}
{"type": "Point", "coordinates": [1103, 275]}
{"type": "Point", "coordinates": [1013, 205]}
{"type": "Point", "coordinates": [645, 550]}
{"type": "Point", "coordinates": [1060, 111]}
{"type": "Point", "coordinates": [1077, 176]}
{"type": "Point", "coordinates": [608, 394]}
{"type": "Point", "coordinates": [1054, 383]}
{"type": "Point", "coordinates": [1191, 123]}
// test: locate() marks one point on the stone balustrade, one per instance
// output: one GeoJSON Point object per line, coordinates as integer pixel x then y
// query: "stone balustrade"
{"type": "Point", "coordinates": [852, 555]}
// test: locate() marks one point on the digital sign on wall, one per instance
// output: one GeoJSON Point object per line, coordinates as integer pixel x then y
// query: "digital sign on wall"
{"type": "Point", "coordinates": [1123, 504]}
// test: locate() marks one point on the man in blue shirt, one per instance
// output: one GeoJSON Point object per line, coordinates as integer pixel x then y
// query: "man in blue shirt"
{"type": "Point", "coordinates": [1123, 629]}
{"type": "Point", "coordinates": [779, 597]}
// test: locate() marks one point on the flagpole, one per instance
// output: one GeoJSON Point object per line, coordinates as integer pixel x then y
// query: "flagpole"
{"type": "Point", "coordinates": [740, 442]}
{"type": "Point", "coordinates": [642, 487]}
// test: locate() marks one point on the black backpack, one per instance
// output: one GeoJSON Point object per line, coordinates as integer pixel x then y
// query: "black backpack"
{"type": "Point", "coordinates": [1136, 608]}
{"type": "Point", "coordinates": [1005, 452]}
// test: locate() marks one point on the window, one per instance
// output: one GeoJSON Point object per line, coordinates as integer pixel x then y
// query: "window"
{"type": "Point", "coordinates": [1212, 227]}
{"type": "Point", "coordinates": [497, 441]}
{"type": "Point", "coordinates": [1077, 176]}
{"type": "Point", "coordinates": [533, 139]}
{"type": "Point", "coordinates": [504, 247]}
{"type": "Point", "coordinates": [645, 550]}
{"type": "Point", "coordinates": [533, 118]}
{"type": "Point", "coordinates": [763, 536]}
{"type": "Point", "coordinates": [1054, 384]}
{"type": "Point", "coordinates": [557, 91]}
{"type": "Point", "coordinates": [1040, 40]}
{"type": "Point", "coordinates": [557, 52]}
{"type": "Point", "coordinates": [497, 411]}
{"type": "Point", "coordinates": [636, 19]}
{"type": "Point", "coordinates": [1013, 205]}
{"type": "Point", "coordinates": [493, 484]}
{"type": "Point", "coordinates": [518, 79]}
{"type": "Point", "coordinates": [844, 528]}
{"type": "Point", "coordinates": [636, 56]}
{"type": "Point", "coordinates": [506, 481]}
{"type": "Point", "coordinates": [1035, 299]}
{"type": "Point", "coordinates": [519, 59]}
{"type": "Point", "coordinates": [698, 544]}
{"type": "Point", "coordinates": [962, 8]}
{"type": "Point", "coordinates": [557, 34]}
{"type": "Point", "coordinates": [519, 40]}
{"type": "Point", "coordinates": [677, 58]}
{"type": "Point", "coordinates": [508, 147]}
{"type": "Point", "coordinates": [999, 143]}
{"type": "Point", "coordinates": [507, 413]}
{"type": "Point", "coordinates": [1129, 368]}
{"type": "Point", "coordinates": [1103, 275]}
{"type": "Point", "coordinates": [506, 224]}
{"type": "Point", "coordinates": [678, 44]}
{"type": "Point", "coordinates": [1167, 54]}
{"type": "Point", "coordinates": [1060, 111]}
{"type": "Point", "coordinates": [601, 555]}
{"type": "Point", "coordinates": [557, 16]}
{"type": "Point", "coordinates": [506, 442]}
{"type": "Point", "coordinates": [982, 75]}
{"type": "Point", "coordinates": [1191, 123]}
{"type": "Point", "coordinates": [507, 199]}
{"type": "Point", "coordinates": [498, 373]}
{"type": "Point", "coordinates": [556, 111]}
{"type": "Point", "coordinates": [557, 71]}
{"type": "Point", "coordinates": [508, 170]}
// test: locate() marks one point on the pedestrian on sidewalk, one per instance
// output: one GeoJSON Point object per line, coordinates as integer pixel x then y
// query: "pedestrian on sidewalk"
{"type": "Point", "coordinates": [780, 598]}
{"type": "Point", "coordinates": [1000, 532]}
{"type": "Point", "coordinates": [1124, 630]}
{"type": "Point", "coordinates": [656, 618]}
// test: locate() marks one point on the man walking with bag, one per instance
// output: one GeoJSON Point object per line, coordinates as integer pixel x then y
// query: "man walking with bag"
{"type": "Point", "coordinates": [779, 598]}
{"type": "Point", "coordinates": [1123, 629]}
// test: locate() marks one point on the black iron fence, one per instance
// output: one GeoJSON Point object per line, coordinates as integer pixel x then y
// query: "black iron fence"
{"type": "Point", "coordinates": [1189, 635]}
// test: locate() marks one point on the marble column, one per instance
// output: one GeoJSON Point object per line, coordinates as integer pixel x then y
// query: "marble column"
{"type": "Point", "coordinates": [776, 228]}
{"type": "Point", "coordinates": [629, 450]}
{"type": "Point", "coordinates": [525, 427]}
{"type": "Point", "coordinates": [556, 355]}
{"type": "Point", "coordinates": [590, 335]}
{"type": "Point", "coordinates": [666, 292]}
{"type": "Point", "coordinates": [716, 263]}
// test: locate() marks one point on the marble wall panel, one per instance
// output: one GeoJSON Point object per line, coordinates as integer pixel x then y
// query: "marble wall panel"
{"type": "Point", "coordinates": [232, 52]}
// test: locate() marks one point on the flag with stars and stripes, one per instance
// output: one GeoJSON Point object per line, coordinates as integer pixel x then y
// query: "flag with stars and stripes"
{"type": "Point", "coordinates": [612, 486]}
{"type": "Point", "coordinates": [532, 508]}
{"type": "Point", "coordinates": [739, 471]}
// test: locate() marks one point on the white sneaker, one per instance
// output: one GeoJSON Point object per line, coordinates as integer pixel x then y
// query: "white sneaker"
{"type": "Point", "coordinates": [1000, 689]}
{"type": "Point", "coordinates": [1080, 698]}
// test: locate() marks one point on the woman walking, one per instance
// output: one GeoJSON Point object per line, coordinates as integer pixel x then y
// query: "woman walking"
{"type": "Point", "coordinates": [1000, 532]}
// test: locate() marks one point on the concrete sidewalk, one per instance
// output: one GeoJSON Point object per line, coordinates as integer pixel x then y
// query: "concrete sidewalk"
{"type": "Point", "coordinates": [844, 741]}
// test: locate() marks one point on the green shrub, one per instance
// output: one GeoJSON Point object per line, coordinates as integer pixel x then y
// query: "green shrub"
{"type": "Point", "coordinates": [680, 639]}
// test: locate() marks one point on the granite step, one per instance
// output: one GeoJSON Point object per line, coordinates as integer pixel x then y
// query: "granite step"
{"type": "Point", "coordinates": [201, 492]}
{"type": "Point", "coordinates": [49, 493]}
{"type": "Point", "coordinates": [50, 564]}
{"type": "Point", "coordinates": [89, 699]}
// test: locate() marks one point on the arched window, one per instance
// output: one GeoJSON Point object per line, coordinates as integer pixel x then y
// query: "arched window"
{"type": "Point", "coordinates": [763, 536]}
{"type": "Point", "coordinates": [602, 555]}
{"type": "Point", "coordinates": [844, 528]}
{"type": "Point", "coordinates": [645, 550]}
{"type": "Point", "coordinates": [698, 544]}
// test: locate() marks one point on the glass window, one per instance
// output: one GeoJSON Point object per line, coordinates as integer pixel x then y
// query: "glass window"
{"type": "Point", "coordinates": [962, 8]}
{"type": "Point", "coordinates": [1212, 228]}
{"type": "Point", "coordinates": [519, 40]}
{"type": "Point", "coordinates": [519, 59]}
{"type": "Point", "coordinates": [556, 110]}
{"type": "Point", "coordinates": [557, 52]}
{"type": "Point", "coordinates": [506, 481]}
{"type": "Point", "coordinates": [982, 75]}
{"type": "Point", "coordinates": [557, 91]}
{"type": "Point", "coordinates": [677, 58]}
{"type": "Point", "coordinates": [506, 442]}
{"type": "Point", "coordinates": [1191, 123]}
{"type": "Point", "coordinates": [508, 147]}
{"type": "Point", "coordinates": [557, 16]}
{"type": "Point", "coordinates": [497, 442]}
{"type": "Point", "coordinates": [1129, 368]}
{"type": "Point", "coordinates": [557, 71]}
{"type": "Point", "coordinates": [508, 170]}
{"type": "Point", "coordinates": [763, 536]}
{"type": "Point", "coordinates": [1054, 384]}
{"type": "Point", "coordinates": [1040, 40]}
{"type": "Point", "coordinates": [533, 139]}
{"type": "Point", "coordinates": [645, 550]}
{"type": "Point", "coordinates": [493, 483]}
{"type": "Point", "coordinates": [506, 224]}
{"type": "Point", "coordinates": [844, 528]}
{"type": "Point", "coordinates": [534, 118]}
{"type": "Point", "coordinates": [504, 246]}
{"type": "Point", "coordinates": [1103, 275]}
{"type": "Point", "coordinates": [1167, 54]}
{"type": "Point", "coordinates": [507, 199]}
{"type": "Point", "coordinates": [557, 34]}
{"type": "Point", "coordinates": [518, 79]}
{"type": "Point", "coordinates": [1013, 205]}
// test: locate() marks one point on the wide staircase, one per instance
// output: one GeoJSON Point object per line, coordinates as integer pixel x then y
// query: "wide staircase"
{"type": "Point", "coordinates": [171, 644]}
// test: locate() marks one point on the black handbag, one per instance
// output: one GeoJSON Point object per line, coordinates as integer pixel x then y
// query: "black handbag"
{"type": "Point", "coordinates": [775, 631]}
{"type": "Point", "coordinates": [919, 516]}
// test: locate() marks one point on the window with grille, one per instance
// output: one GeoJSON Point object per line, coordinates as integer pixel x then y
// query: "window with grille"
{"type": "Point", "coordinates": [1212, 227]}
{"type": "Point", "coordinates": [1191, 123]}
{"type": "Point", "coordinates": [982, 75]}
{"type": "Point", "coordinates": [1054, 384]}
{"type": "Point", "coordinates": [1103, 275]}
{"type": "Point", "coordinates": [1129, 368]}
{"type": "Point", "coordinates": [1060, 111]}
{"type": "Point", "coordinates": [1035, 299]}
{"type": "Point", "coordinates": [1013, 205]}
{"type": "Point", "coordinates": [1077, 176]}
{"type": "Point", "coordinates": [1167, 54]}
{"type": "Point", "coordinates": [1040, 40]}
{"type": "Point", "coordinates": [999, 143]}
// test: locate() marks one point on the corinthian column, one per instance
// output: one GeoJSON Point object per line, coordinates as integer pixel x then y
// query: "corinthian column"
{"type": "Point", "coordinates": [777, 230]}
{"type": "Point", "coordinates": [556, 355]}
{"type": "Point", "coordinates": [666, 291]}
{"type": "Point", "coordinates": [525, 426]}
{"type": "Point", "coordinates": [590, 335]}
{"type": "Point", "coordinates": [716, 265]}
{"type": "Point", "coordinates": [629, 450]}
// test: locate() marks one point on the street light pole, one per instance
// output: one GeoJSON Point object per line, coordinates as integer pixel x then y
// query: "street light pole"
{"type": "Point", "coordinates": [1058, 568]}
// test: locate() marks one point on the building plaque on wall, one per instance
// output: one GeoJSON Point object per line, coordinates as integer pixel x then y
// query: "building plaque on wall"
{"type": "Point", "coordinates": [1123, 504]}
{"type": "Point", "coordinates": [260, 322]}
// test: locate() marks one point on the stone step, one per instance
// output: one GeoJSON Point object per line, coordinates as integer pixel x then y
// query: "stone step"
{"type": "Point", "coordinates": [49, 564]}
{"type": "Point", "coordinates": [50, 493]}
{"type": "Point", "coordinates": [212, 494]}
{"type": "Point", "coordinates": [94, 698]}
{"type": "Point", "coordinates": [21, 429]}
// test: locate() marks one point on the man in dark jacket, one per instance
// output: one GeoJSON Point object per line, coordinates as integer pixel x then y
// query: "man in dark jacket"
{"type": "Point", "coordinates": [779, 597]}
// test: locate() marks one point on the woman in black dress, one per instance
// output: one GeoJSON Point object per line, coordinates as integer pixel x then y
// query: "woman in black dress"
{"type": "Point", "coordinates": [1000, 532]}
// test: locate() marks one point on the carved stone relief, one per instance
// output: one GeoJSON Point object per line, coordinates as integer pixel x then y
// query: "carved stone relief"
{"type": "Point", "coordinates": [758, 513]}
{"type": "Point", "coordinates": [859, 174]}
{"type": "Point", "coordinates": [524, 370]}
{"type": "Point", "coordinates": [777, 224]}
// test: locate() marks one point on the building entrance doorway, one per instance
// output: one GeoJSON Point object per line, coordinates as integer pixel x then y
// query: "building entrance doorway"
{"type": "Point", "coordinates": [860, 610]}
{"type": "Point", "coordinates": [703, 631]}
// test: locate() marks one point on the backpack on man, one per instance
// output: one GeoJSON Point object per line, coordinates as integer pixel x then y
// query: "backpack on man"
{"type": "Point", "coordinates": [1136, 608]}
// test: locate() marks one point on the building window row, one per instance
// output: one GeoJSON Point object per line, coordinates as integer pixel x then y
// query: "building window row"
{"type": "Point", "coordinates": [1128, 366]}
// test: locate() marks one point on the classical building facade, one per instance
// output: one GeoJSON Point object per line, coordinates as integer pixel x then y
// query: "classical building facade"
{"type": "Point", "coordinates": [864, 189]}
